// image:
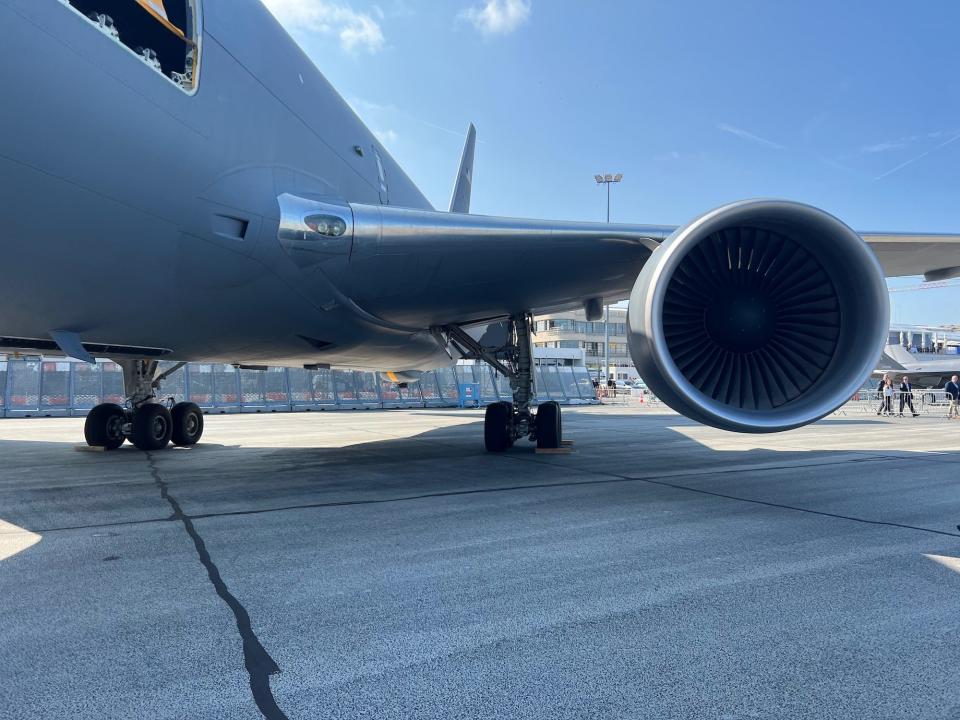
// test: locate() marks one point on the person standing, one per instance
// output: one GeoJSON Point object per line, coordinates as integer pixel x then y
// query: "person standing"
{"type": "Point", "coordinates": [906, 396]}
{"type": "Point", "coordinates": [953, 395]}
{"type": "Point", "coordinates": [888, 397]}
{"type": "Point", "coordinates": [880, 386]}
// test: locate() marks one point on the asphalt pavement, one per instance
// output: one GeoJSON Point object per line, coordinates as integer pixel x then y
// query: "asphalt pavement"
{"type": "Point", "coordinates": [381, 565]}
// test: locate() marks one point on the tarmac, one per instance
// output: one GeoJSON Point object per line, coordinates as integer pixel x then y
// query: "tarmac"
{"type": "Point", "coordinates": [381, 565]}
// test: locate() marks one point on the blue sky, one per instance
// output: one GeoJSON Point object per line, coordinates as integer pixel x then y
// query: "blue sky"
{"type": "Point", "coordinates": [850, 106]}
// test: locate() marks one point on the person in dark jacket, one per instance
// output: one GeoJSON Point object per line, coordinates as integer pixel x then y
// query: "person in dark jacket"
{"type": "Point", "coordinates": [906, 396]}
{"type": "Point", "coordinates": [880, 386]}
{"type": "Point", "coordinates": [953, 395]}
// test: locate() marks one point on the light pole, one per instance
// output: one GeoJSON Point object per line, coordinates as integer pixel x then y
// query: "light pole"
{"type": "Point", "coordinates": [607, 179]}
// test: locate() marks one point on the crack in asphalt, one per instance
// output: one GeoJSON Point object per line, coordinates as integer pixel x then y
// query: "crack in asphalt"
{"type": "Point", "coordinates": [260, 666]}
{"type": "Point", "coordinates": [609, 478]}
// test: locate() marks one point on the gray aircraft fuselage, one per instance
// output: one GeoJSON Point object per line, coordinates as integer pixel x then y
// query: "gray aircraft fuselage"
{"type": "Point", "coordinates": [136, 214]}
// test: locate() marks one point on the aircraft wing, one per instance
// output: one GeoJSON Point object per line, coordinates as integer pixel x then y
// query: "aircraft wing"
{"type": "Point", "coordinates": [935, 256]}
{"type": "Point", "coordinates": [409, 267]}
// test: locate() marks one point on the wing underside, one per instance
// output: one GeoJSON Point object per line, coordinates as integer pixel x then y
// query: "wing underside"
{"type": "Point", "coordinates": [934, 256]}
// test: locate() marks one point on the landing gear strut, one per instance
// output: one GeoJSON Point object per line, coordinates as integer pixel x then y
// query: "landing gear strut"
{"type": "Point", "coordinates": [507, 422]}
{"type": "Point", "coordinates": [145, 422]}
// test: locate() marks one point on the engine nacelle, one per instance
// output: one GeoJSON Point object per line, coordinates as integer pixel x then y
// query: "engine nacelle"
{"type": "Point", "coordinates": [759, 316]}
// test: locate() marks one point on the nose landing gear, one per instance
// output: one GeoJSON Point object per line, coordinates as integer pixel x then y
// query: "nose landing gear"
{"type": "Point", "coordinates": [146, 423]}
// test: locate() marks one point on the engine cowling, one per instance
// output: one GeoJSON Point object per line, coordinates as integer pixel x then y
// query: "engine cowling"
{"type": "Point", "coordinates": [759, 316]}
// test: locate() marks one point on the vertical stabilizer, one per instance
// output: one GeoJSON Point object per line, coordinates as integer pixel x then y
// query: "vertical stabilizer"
{"type": "Point", "coordinates": [460, 200]}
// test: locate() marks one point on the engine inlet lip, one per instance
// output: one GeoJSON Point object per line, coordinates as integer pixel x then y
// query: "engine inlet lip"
{"type": "Point", "coordinates": [775, 215]}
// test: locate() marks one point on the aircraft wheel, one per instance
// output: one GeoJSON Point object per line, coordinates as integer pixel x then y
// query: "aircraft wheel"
{"type": "Point", "coordinates": [496, 427]}
{"type": "Point", "coordinates": [549, 427]}
{"type": "Point", "coordinates": [187, 424]}
{"type": "Point", "coordinates": [104, 426]}
{"type": "Point", "coordinates": [152, 427]}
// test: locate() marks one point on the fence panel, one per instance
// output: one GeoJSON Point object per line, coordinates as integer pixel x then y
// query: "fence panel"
{"type": "Point", "coordinates": [389, 392]}
{"type": "Point", "coordinates": [345, 388]}
{"type": "Point", "coordinates": [430, 389]}
{"type": "Point", "coordinates": [174, 386]}
{"type": "Point", "coordinates": [465, 373]}
{"type": "Point", "coordinates": [201, 384]}
{"type": "Point", "coordinates": [584, 383]}
{"type": "Point", "coordinates": [276, 390]}
{"type": "Point", "coordinates": [54, 387]}
{"type": "Point", "coordinates": [488, 388]}
{"type": "Point", "coordinates": [87, 386]}
{"type": "Point", "coordinates": [447, 380]}
{"type": "Point", "coordinates": [552, 382]}
{"type": "Point", "coordinates": [412, 395]}
{"type": "Point", "coordinates": [368, 387]}
{"type": "Point", "coordinates": [568, 381]}
{"type": "Point", "coordinates": [502, 383]}
{"type": "Point", "coordinates": [324, 387]}
{"type": "Point", "coordinates": [253, 395]}
{"type": "Point", "coordinates": [226, 387]}
{"type": "Point", "coordinates": [24, 387]}
{"type": "Point", "coordinates": [540, 386]}
{"type": "Point", "coordinates": [111, 378]}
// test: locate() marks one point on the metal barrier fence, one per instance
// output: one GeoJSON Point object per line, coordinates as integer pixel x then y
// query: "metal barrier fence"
{"type": "Point", "coordinates": [64, 388]}
{"type": "Point", "coordinates": [925, 402]}
{"type": "Point", "coordinates": [931, 403]}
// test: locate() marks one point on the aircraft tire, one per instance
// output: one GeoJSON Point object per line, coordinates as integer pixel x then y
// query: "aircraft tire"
{"type": "Point", "coordinates": [549, 427]}
{"type": "Point", "coordinates": [187, 424]}
{"type": "Point", "coordinates": [152, 427]}
{"type": "Point", "coordinates": [104, 426]}
{"type": "Point", "coordinates": [496, 427]}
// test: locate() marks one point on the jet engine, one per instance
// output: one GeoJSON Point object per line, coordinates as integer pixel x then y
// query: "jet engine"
{"type": "Point", "coordinates": [759, 316]}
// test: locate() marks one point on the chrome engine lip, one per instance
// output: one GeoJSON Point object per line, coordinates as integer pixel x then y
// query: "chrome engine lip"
{"type": "Point", "coordinates": [647, 308]}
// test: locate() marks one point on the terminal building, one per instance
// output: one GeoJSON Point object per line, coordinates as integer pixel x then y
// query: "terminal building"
{"type": "Point", "coordinates": [572, 331]}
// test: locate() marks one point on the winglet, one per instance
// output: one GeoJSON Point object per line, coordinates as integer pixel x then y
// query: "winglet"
{"type": "Point", "coordinates": [460, 200]}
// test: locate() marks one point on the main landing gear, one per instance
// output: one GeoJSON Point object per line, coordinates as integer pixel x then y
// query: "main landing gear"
{"type": "Point", "coordinates": [145, 422]}
{"type": "Point", "coordinates": [507, 422]}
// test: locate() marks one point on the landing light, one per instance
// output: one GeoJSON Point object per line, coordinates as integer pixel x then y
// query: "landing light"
{"type": "Point", "coordinates": [329, 225]}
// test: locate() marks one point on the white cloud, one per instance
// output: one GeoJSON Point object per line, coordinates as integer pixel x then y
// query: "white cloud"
{"type": "Point", "coordinates": [884, 146]}
{"type": "Point", "coordinates": [498, 17]}
{"type": "Point", "coordinates": [386, 137]}
{"type": "Point", "coordinates": [749, 136]}
{"type": "Point", "coordinates": [356, 30]}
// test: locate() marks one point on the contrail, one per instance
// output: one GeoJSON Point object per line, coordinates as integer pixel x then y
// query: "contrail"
{"type": "Point", "coordinates": [922, 155]}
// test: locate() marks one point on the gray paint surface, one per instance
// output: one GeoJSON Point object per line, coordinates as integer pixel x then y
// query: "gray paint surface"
{"type": "Point", "coordinates": [121, 190]}
{"type": "Point", "coordinates": [754, 579]}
